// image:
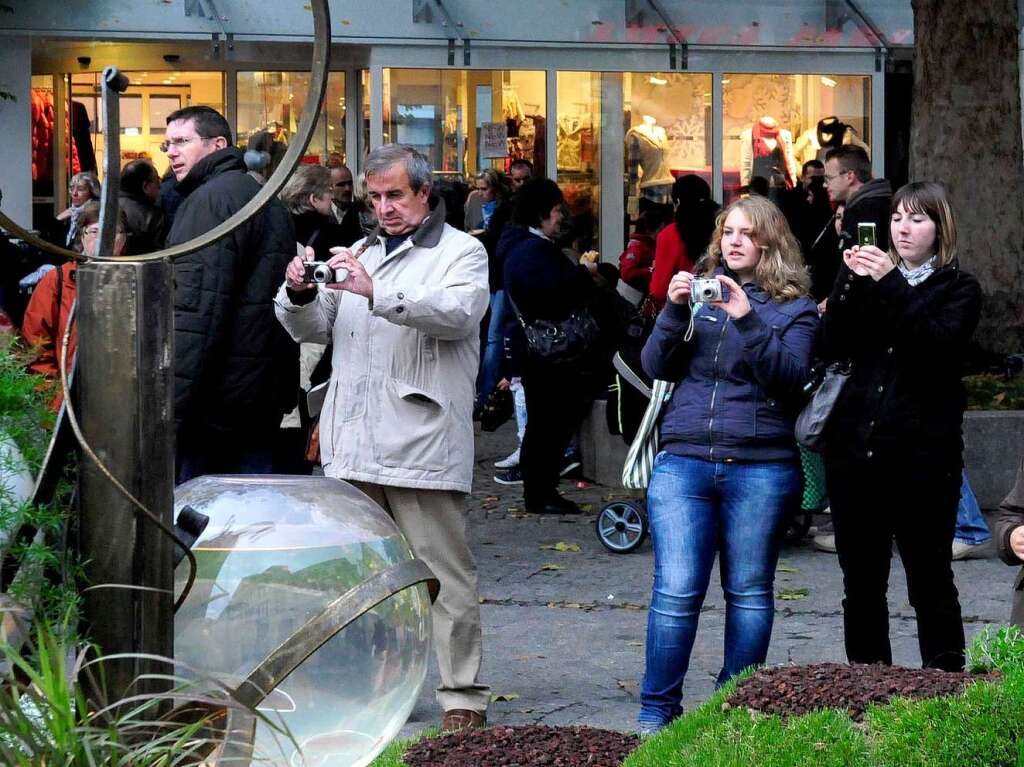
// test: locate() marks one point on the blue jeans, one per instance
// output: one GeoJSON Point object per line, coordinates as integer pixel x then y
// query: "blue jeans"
{"type": "Point", "coordinates": [698, 509]}
{"type": "Point", "coordinates": [490, 364]}
{"type": "Point", "coordinates": [970, 525]}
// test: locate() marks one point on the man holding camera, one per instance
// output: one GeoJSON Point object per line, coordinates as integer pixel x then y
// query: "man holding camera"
{"type": "Point", "coordinates": [403, 310]}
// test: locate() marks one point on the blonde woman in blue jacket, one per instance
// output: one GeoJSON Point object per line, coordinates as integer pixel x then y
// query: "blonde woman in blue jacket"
{"type": "Point", "coordinates": [728, 470]}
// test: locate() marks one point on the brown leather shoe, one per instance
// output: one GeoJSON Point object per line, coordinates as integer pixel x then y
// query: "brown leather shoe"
{"type": "Point", "coordinates": [460, 719]}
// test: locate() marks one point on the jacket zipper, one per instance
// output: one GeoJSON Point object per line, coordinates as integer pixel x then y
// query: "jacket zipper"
{"type": "Point", "coordinates": [714, 392]}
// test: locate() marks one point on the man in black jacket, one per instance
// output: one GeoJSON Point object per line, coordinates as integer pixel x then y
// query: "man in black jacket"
{"type": "Point", "coordinates": [867, 200]}
{"type": "Point", "coordinates": [140, 193]}
{"type": "Point", "coordinates": [236, 370]}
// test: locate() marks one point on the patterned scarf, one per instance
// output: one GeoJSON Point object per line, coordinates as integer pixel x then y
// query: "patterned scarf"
{"type": "Point", "coordinates": [760, 133]}
{"type": "Point", "coordinates": [919, 274]}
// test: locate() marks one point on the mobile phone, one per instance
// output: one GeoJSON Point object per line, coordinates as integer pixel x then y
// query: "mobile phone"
{"type": "Point", "coordinates": [865, 234]}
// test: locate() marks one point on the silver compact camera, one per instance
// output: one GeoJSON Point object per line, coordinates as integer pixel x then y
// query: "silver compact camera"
{"type": "Point", "coordinates": [320, 272]}
{"type": "Point", "coordinates": [705, 291]}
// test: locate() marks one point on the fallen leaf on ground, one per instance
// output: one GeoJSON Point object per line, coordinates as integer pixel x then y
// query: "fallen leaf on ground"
{"type": "Point", "coordinates": [586, 507]}
{"type": "Point", "coordinates": [635, 644]}
{"type": "Point", "coordinates": [505, 697]}
{"type": "Point", "coordinates": [784, 568]}
{"type": "Point", "coordinates": [552, 567]}
{"type": "Point", "coordinates": [561, 546]}
{"type": "Point", "coordinates": [792, 594]}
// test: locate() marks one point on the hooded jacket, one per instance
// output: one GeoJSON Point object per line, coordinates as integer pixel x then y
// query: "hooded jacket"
{"type": "Point", "coordinates": [869, 204]}
{"type": "Point", "coordinates": [399, 405]}
{"type": "Point", "coordinates": [236, 370]}
{"type": "Point", "coordinates": [738, 382]}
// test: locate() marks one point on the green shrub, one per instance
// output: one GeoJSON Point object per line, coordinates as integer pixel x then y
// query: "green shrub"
{"type": "Point", "coordinates": [999, 649]}
{"type": "Point", "coordinates": [991, 391]}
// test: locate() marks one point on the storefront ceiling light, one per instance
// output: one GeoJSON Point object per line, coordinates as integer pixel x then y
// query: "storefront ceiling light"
{"type": "Point", "coordinates": [657, 80]}
{"type": "Point", "coordinates": [725, 81]}
{"type": "Point", "coordinates": [828, 82]}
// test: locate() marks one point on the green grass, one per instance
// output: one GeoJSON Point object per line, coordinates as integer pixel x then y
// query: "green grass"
{"type": "Point", "coordinates": [392, 755]}
{"type": "Point", "coordinates": [982, 726]}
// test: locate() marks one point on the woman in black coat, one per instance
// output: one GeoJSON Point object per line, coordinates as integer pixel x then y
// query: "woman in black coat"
{"type": "Point", "coordinates": [894, 448]}
{"type": "Point", "coordinates": [307, 196]}
{"type": "Point", "coordinates": [543, 284]}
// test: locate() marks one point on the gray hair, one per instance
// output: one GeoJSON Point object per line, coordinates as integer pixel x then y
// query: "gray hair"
{"type": "Point", "coordinates": [306, 180]}
{"type": "Point", "coordinates": [417, 167]}
{"type": "Point", "coordinates": [86, 178]}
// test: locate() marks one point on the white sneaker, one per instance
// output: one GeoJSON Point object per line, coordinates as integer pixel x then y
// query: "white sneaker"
{"type": "Point", "coordinates": [508, 462]}
{"type": "Point", "coordinates": [963, 550]}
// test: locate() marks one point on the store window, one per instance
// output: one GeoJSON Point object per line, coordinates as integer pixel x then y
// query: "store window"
{"type": "Point", "coordinates": [578, 154]}
{"type": "Point", "coordinates": [775, 123]}
{"type": "Point", "coordinates": [144, 107]}
{"type": "Point", "coordinates": [271, 103]}
{"type": "Point", "coordinates": [467, 120]}
{"type": "Point", "coordinates": [668, 135]}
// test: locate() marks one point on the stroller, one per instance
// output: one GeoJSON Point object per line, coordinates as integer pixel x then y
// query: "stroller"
{"type": "Point", "coordinates": [622, 525]}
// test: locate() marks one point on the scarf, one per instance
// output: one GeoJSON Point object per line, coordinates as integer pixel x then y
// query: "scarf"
{"type": "Point", "coordinates": [918, 274]}
{"type": "Point", "coordinates": [760, 133]}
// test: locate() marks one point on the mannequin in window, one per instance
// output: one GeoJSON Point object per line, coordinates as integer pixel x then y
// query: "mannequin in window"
{"type": "Point", "coordinates": [767, 150]}
{"type": "Point", "coordinates": [649, 175]}
{"type": "Point", "coordinates": [828, 133]}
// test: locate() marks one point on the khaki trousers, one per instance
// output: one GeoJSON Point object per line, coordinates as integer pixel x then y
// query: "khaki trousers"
{"type": "Point", "coordinates": [434, 523]}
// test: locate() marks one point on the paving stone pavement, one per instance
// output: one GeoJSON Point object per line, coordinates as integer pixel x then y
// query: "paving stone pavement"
{"type": "Point", "coordinates": [566, 644]}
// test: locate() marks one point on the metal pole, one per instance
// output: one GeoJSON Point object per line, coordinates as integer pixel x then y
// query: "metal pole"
{"type": "Point", "coordinates": [125, 407]}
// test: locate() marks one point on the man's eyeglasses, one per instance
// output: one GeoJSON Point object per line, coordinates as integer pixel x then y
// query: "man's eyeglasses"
{"type": "Point", "coordinates": [178, 143]}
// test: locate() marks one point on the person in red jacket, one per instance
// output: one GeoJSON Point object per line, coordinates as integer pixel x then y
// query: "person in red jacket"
{"type": "Point", "coordinates": [46, 317]}
{"type": "Point", "coordinates": [681, 244]}
{"type": "Point", "coordinates": [637, 261]}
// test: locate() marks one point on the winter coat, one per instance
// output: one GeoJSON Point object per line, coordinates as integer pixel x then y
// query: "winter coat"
{"type": "Point", "coordinates": [319, 232]}
{"type": "Point", "coordinates": [904, 400]}
{"type": "Point", "coordinates": [236, 370]}
{"type": "Point", "coordinates": [147, 225]}
{"type": "Point", "coordinates": [399, 406]}
{"type": "Point", "coordinates": [46, 319]}
{"type": "Point", "coordinates": [1011, 516]}
{"type": "Point", "coordinates": [637, 262]}
{"type": "Point", "coordinates": [738, 382]}
{"type": "Point", "coordinates": [871, 203]}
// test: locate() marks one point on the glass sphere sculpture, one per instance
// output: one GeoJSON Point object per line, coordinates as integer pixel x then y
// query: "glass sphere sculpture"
{"type": "Point", "coordinates": [277, 553]}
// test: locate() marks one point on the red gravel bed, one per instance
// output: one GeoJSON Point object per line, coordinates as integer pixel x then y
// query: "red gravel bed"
{"type": "Point", "coordinates": [529, 746]}
{"type": "Point", "coordinates": [795, 690]}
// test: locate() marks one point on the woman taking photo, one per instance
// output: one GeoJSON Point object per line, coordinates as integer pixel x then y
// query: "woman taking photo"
{"type": "Point", "coordinates": [728, 470]}
{"type": "Point", "coordinates": [893, 458]}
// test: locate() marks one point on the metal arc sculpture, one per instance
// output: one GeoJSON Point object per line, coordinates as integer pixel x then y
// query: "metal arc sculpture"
{"type": "Point", "coordinates": [296, 149]}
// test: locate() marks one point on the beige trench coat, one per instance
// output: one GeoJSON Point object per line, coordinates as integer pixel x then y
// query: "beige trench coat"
{"type": "Point", "coordinates": [1010, 517]}
{"type": "Point", "coordinates": [399, 406]}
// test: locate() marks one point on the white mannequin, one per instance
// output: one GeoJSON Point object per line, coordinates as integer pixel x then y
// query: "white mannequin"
{"type": "Point", "coordinates": [785, 140]}
{"type": "Point", "coordinates": [646, 144]}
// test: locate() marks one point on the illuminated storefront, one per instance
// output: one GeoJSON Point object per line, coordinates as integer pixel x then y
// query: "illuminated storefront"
{"type": "Point", "coordinates": [606, 100]}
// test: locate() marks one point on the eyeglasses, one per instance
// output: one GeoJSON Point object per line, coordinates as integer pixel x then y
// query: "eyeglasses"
{"type": "Point", "coordinates": [178, 143]}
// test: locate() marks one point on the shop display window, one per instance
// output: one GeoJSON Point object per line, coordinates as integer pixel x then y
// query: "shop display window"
{"type": "Point", "coordinates": [578, 154]}
{"type": "Point", "coordinates": [144, 107]}
{"type": "Point", "coordinates": [466, 120]}
{"type": "Point", "coordinates": [270, 108]}
{"type": "Point", "coordinates": [667, 121]}
{"type": "Point", "coordinates": [773, 124]}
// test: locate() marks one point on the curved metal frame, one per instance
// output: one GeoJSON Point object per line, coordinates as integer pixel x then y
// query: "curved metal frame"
{"type": "Point", "coordinates": [296, 148]}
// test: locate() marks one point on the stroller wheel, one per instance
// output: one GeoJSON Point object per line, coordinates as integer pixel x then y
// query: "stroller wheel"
{"type": "Point", "coordinates": [622, 526]}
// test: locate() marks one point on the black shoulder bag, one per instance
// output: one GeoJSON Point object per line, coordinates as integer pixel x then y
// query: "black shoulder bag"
{"type": "Point", "coordinates": [560, 341]}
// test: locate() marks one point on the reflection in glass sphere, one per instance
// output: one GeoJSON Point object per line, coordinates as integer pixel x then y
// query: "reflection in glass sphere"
{"type": "Point", "coordinates": [277, 551]}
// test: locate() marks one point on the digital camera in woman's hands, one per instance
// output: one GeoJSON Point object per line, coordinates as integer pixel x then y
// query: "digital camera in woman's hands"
{"type": "Point", "coordinates": [706, 291]}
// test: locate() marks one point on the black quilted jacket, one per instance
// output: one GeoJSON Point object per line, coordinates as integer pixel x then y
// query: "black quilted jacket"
{"type": "Point", "coordinates": [236, 370]}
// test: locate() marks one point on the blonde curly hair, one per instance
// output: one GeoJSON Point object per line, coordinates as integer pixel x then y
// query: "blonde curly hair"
{"type": "Point", "coordinates": [780, 272]}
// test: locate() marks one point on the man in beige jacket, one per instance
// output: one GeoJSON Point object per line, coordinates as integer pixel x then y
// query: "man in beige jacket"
{"type": "Point", "coordinates": [397, 418]}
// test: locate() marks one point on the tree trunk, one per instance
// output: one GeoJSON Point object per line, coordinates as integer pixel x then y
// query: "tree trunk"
{"type": "Point", "coordinates": [966, 133]}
